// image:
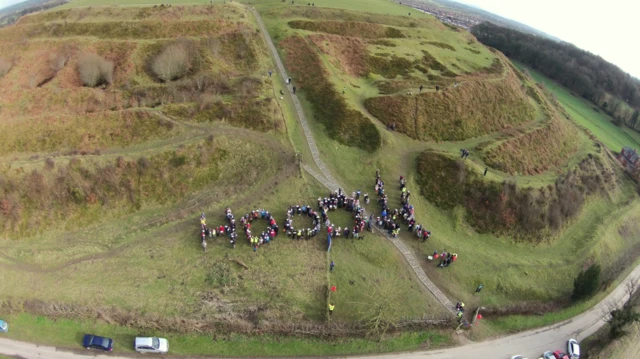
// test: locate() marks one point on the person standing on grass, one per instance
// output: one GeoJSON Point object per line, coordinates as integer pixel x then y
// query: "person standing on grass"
{"type": "Point", "coordinates": [270, 72]}
{"type": "Point", "coordinates": [421, 88]}
{"type": "Point", "coordinates": [294, 90]}
{"type": "Point", "coordinates": [331, 308]}
{"type": "Point", "coordinates": [331, 266]}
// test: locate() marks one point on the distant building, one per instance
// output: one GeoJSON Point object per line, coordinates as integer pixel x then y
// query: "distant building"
{"type": "Point", "coordinates": [630, 160]}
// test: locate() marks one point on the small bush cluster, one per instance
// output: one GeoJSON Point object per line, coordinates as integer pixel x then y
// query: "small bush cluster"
{"type": "Point", "coordinates": [5, 66]}
{"type": "Point", "coordinates": [342, 123]}
{"type": "Point", "coordinates": [429, 61]}
{"type": "Point", "coordinates": [383, 42]}
{"type": "Point", "coordinates": [94, 70]}
{"type": "Point", "coordinates": [442, 45]}
{"type": "Point", "coordinates": [502, 207]}
{"type": "Point", "coordinates": [389, 68]}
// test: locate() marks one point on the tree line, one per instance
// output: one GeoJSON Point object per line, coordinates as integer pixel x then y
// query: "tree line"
{"type": "Point", "coordinates": [582, 72]}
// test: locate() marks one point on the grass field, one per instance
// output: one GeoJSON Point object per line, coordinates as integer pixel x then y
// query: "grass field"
{"type": "Point", "coordinates": [589, 116]}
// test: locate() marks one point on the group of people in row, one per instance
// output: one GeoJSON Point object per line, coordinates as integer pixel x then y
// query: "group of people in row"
{"type": "Point", "coordinates": [389, 219]}
{"type": "Point", "coordinates": [229, 230]}
{"type": "Point", "coordinates": [445, 257]}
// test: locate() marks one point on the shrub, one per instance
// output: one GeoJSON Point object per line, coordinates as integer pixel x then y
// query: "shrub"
{"type": "Point", "coordinates": [621, 318]}
{"type": "Point", "coordinates": [94, 70]}
{"type": "Point", "coordinates": [5, 66]}
{"type": "Point", "coordinates": [442, 45]}
{"type": "Point", "coordinates": [396, 66]}
{"type": "Point", "coordinates": [173, 62]}
{"type": "Point", "coordinates": [393, 33]}
{"type": "Point", "coordinates": [586, 283]}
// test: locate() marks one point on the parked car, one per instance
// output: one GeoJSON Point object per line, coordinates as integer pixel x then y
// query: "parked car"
{"type": "Point", "coordinates": [548, 355]}
{"type": "Point", "coordinates": [4, 326]}
{"type": "Point", "coordinates": [151, 345]}
{"type": "Point", "coordinates": [518, 357]}
{"type": "Point", "coordinates": [573, 349]}
{"type": "Point", "coordinates": [91, 341]}
{"type": "Point", "coordinates": [560, 355]}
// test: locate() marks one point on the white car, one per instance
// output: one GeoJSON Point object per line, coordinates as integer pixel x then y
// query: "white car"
{"type": "Point", "coordinates": [573, 349]}
{"type": "Point", "coordinates": [151, 345]}
{"type": "Point", "coordinates": [518, 357]}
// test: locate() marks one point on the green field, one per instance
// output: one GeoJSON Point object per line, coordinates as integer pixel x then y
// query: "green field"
{"type": "Point", "coordinates": [68, 333]}
{"type": "Point", "coordinates": [589, 115]}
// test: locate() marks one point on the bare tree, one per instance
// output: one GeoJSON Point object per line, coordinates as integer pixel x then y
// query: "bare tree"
{"type": "Point", "coordinates": [94, 70]}
{"type": "Point", "coordinates": [174, 61]}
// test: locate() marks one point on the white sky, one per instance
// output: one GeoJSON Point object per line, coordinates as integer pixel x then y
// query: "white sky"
{"type": "Point", "coordinates": [607, 28]}
{"type": "Point", "coordinates": [5, 3]}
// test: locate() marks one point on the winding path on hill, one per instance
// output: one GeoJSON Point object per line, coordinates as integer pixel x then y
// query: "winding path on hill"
{"type": "Point", "coordinates": [531, 343]}
{"type": "Point", "coordinates": [328, 181]}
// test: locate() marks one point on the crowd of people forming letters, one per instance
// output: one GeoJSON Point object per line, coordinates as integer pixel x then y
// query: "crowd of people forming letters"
{"type": "Point", "coordinates": [389, 221]}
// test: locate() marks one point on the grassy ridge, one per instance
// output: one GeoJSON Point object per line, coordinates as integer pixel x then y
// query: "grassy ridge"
{"type": "Point", "coordinates": [144, 29]}
{"type": "Point", "coordinates": [536, 151]}
{"type": "Point", "coordinates": [348, 28]}
{"type": "Point", "coordinates": [503, 208]}
{"type": "Point", "coordinates": [60, 192]}
{"type": "Point", "coordinates": [342, 123]}
{"type": "Point", "coordinates": [471, 110]}
{"type": "Point", "coordinates": [84, 133]}
{"type": "Point", "coordinates": [118, 13]}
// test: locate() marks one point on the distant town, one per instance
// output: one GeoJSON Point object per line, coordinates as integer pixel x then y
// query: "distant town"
{"type": "Point", "coordinates": [449, 16]}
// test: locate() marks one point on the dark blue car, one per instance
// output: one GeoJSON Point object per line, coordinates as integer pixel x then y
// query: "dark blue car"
{"type": "Point", "coordinates": [91, 341]}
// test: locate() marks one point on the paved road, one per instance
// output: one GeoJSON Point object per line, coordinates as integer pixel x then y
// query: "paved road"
{"type": "Point", "coordinates": [531, 343]}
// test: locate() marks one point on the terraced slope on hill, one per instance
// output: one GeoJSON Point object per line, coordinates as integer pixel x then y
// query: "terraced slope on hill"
{"type": "Point", "coordinates": [530, 184]}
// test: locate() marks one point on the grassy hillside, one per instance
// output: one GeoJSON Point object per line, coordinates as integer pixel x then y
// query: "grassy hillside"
{"type": "Point", "coordinates": [102, 187]}
{"type": "Point", "coordinates": [532, 149]}
{"type": "Point", "coordinates": [472, 110]}
{"type": "Point", "coordinates": [90, 202]}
